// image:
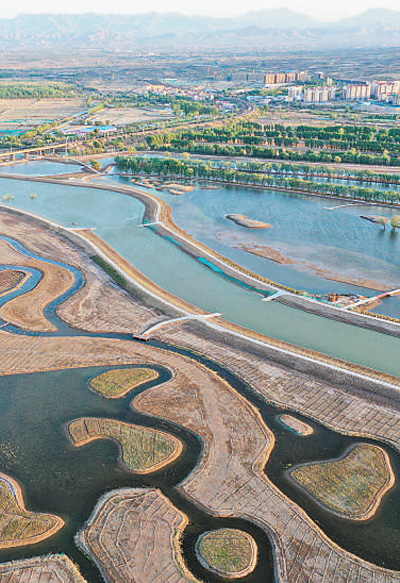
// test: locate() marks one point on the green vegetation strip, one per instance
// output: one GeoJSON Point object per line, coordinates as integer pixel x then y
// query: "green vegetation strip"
{"type": "Point", "coordinates": [142, 449]}
{"type": "Point", "coordinates": [115, 384]}
{"type": "Point", "coordinates": [113, 273]}
{"type": "Point", "coordinates": [351, 487]}
{"type": "Point", "coordinates": [337, 144]}
{"type": "Point", "coordinates": [229, 552]}
{"type": "Point", "coordinates": [255, 174]}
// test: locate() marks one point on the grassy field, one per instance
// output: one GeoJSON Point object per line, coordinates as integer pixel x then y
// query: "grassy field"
{"type": "Point", "coordinates": [23, 114]}
{"type": "Point", "coordinates": [228, 552]}
{"type": "Point", "coordinates": [142, 449]}
{"type": "Point", "coordinates": [353, 486]}
{"type": "Point", "coordinates": [18, 526]}
{"type": "Point", "coordinates": [115, 384]}
{"type": "Point", "coordinates": [129, 115]}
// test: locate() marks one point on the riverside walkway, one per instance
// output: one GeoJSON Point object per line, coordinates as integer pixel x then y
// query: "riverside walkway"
{"type": "Point", "coordinates": [147, 333]}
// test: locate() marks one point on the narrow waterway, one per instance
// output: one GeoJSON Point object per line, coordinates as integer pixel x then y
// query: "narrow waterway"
{"type": "Point", "coordinates": [117, 217]}
{"type": "Point", "coordinates": [59, 478]}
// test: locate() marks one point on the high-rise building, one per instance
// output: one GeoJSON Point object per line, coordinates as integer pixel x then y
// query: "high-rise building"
{"type": "Point", "coordinates": [269, 79]}
{"type": "Point", "coordinates": [280, 78]}
{"type": "Point", "coordinates": [383, 91]}
{"type": "Point", "coordinates": [357, 92]}
{"type": "Point", "coordinates": [319, 94]}
{"type": "Point", "coordinates": [301, 76]}
{"type": "Point", "coordinates": [295, 93]}
{"type": "Point", "coordinates": [290, 78]}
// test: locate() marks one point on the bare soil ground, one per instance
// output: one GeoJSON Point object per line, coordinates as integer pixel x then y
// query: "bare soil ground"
{"type": "Point", "coordinates": [48, 569]}
{"type": "Point", "coordinates": [27, 311]}
{"type": "Point", "coordinates": [296, 425]}
{"type": "Point", "coordinates": [9, 279]}
{"type": "Point", "coordinates": [133, 535]}
{"type": "Point", "coordinates": [23, 114]}
{"type": "Point", "coordinates": [130, 115]}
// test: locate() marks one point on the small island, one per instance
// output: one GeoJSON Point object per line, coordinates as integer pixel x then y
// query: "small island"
{"type": "Point", "coordinates": [228, 552]}
{"type": "Point", "coordinates": [295, 425]}
{"type": "Point", "coordinates": [351, 487]}
{"type": "Point", "coordinates": [18, 526]}
{"type": "Point", "coordinates": [142, 450]}
{"type": "Point", "coordinates": [117, 383]}
{"type": "Point", "coordinates": [244, 221]}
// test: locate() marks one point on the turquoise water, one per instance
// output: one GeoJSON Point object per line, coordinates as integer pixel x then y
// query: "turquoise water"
{"type": "Point", "coordinates": [116, 218]}
{"type": "Point", "coordinates": [40, 168]}
{"type": "Point", "coordinates": [301, 228]}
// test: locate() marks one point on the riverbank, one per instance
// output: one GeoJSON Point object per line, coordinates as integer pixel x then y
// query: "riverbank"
{"type": "Point", "coordinates": [193, 381]}
{"type": "Point", "coordinates": [158, 217]}
{"type": "Point", "coordinates": [278, 350]}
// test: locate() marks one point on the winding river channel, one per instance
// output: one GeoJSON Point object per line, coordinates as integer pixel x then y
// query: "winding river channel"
{"type": "Point", "coordinates": [66, 481]}
{"type": "Point", "coordinates": [117, 219]}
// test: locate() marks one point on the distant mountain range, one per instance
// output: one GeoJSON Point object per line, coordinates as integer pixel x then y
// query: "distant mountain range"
{"type": "Point", "coordinates": [279, 29]}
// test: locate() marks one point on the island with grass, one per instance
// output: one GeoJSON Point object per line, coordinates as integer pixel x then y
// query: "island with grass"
{"type": "Point", "coordinates": [19, 526]}
{"type": "Point", "coordinates": [352, 486]}
{"type": "Point", "coordinates": [229, 552]}
{"type": "Point", "coordinates": [142, 450]}
{"type": "Point", "coordinates": [117, 383]}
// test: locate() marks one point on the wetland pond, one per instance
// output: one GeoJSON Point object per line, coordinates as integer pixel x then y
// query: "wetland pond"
{"type": "Point", "coordinates": [320, 245]}
{"type": "Point", "coordinates": [60, 479]}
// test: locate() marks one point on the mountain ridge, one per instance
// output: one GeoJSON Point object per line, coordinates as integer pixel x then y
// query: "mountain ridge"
{"type": "Point", "coordinates": [265, 29]}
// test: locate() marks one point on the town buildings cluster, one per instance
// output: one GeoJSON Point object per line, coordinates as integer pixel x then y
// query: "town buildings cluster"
{"type": "Point", "coordinates": [318, 89]}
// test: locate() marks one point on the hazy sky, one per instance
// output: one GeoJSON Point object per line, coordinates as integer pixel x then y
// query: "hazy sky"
{"type": "Point", "coordinates": [318, 8]}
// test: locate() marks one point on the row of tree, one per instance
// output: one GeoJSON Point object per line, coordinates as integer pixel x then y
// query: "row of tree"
{"type": "Point", "coordinates": [184, 168]}
{"type": "Point", "coordinates": [353, 144]}
{"type": "Point", "coordinates": [35, 91]}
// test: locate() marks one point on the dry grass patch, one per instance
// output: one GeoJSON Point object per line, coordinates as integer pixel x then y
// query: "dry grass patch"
{"type": "Point", "coordinates": [18, 526]}
{"type": "Point", "coordinates": [9, 279]}
{"type": "Point", "coordinates": [115, 384]}
{"type": "Point", "coordinates": [352, 486]}
{"type": "Point", "coordinates": [229, 552]}
{"type": "Point", "coordinates": [142, 449]}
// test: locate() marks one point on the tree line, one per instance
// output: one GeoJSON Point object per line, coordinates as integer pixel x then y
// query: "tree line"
{"type": "Point", "coordinates": [207, 170]}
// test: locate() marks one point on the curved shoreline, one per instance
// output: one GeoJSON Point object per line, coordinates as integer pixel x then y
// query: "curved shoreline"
{"type": "Point", "coordinates": [157, 211]}
{"type": "Point", "coordinates": [158, 466]}
{"type": "Point", "coordinates": [19, 498]}
{"type": "Point", "coordinates": [374, 506]}
{"type": "Point", "coordinates": [282, 352]}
